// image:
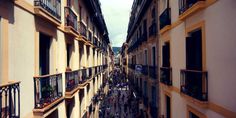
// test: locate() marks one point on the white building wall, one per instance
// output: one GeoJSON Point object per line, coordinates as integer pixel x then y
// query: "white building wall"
{"type": "Point", "coordinates": [22, 56]}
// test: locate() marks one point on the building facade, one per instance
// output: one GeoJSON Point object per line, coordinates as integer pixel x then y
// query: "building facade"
{"type": "Point", "coordinates": [196, 57]}
{"type": "Point", "coordinates": [55, 56]}
{"type": "Point", "coordinates": [142, 51]}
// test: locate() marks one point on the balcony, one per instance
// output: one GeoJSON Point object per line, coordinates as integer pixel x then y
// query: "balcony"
{"type": "Point", "coordinates": [83, 76]}
{"type": "Point", "coordinates": [144, 36]}
{"type": "Point", "coordinates": [145, 101]}
{"type": "Point", "coordinates": [194, 83]}
{"type": "Point", "coordinates": [95, 42]}
{"type": "Point", "coordinates": [71, 25]}
{"type": "Point", "coordinates": [144, 69]}
{"type": "Point", "coordinates": [165, 19]}
{"type": "Point", "coordinates": [72, 82]}
{"type": "Point", "coordinates": [48, 10]}
{"type": "Point", "coordinates": [166, 76]}
{"type": "Point", "coordinates": [153, 29]}
{"type": "Point", "coordinates": [47, 92]}
{"type": "Point", "coordinates": [132, 66]}
{"type": "Point", "coordinates": [187, 8]}
{"type": "Point", "coordinates": [83, 30]}
{"type": "Point", "coordinates": [89, 73]}
{"type": "Point", "coordinates": [153, 72]}
{"type": "Point", "coordinates": [10, 100]}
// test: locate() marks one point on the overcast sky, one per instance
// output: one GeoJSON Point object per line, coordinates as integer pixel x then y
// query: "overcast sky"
{"type": "Point", "coordinates": [116, 14]}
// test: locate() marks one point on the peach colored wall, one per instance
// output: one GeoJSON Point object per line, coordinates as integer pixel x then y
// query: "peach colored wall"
{"type": "Point", "coordinates": [220, 56]}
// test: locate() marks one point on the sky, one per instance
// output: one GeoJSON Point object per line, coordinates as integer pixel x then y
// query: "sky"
{"type": "Point", "coordinates": [116, 14]}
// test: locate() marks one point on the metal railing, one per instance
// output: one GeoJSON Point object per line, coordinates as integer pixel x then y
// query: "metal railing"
{"type": "Point", "coordinates": [70, 18]}
{"type": "Point", "coordinates": [10, 100]}
{"type": "Point", "coordinates": [53, 7]}
{"type": "Point", "coordinates": [83, 29]}
{"type": "Point", "coordinates": [152, 72]}
{"type": "Point", "coordinates": [144, 69]}
{"type": "Point", "coordinates": [165, 18]}
{"type": "Point", "coordinates": [72, 80]}
{"type": "Point", "coordinates": [186, 4]}
{"type": "Point", "coordinates": [83, 76]}
{"type": "Point", "coordinates": [166, 75]}
{"type": "Point", "coordinates": [194, 83]}
{"type": "Point", "coordinates": [153, 29]}
{"type": "Point", "coordinates": [47, 89]}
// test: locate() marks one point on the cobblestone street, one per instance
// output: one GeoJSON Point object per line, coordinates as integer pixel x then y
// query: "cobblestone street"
{"type": "Point", "coordinates": [120, 101]}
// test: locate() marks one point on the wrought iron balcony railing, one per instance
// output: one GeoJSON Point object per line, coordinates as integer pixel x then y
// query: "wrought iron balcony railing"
{"type": "Point", "coordinates": [71, 18]}
{"type": "Point", "coordinates": [83, 77]}
{"type": "Point", "coordinates": [10, 100]}
{"type": "Point", "coordinates": [72, 80]}
{"type": "Point", "coordinates": [51, 6]}
{"type": "Point", "coordinates": [166, 76]}
{"type": "Point", "coordinates": [47, 89]}
{"type": "Point", "coordinates": [152, 72]}
{"type": "Point", "coordinates": [83, 29]}
{"type": "Point", "coordinates": [186, 4]}
{"type": "Point", "coordinates": [144, 69]}
{"type": "Point", "coordinates": [153, 29]}
{"type": "Point", "coordinates": [145, 36]}
{"type": "Point", "coordinates": [165, 18]}
{"type": "Point", "coordinates": [194, 83]}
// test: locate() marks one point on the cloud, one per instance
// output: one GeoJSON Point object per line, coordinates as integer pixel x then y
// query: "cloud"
{"type": "Point", "coordinates": [116, 14]}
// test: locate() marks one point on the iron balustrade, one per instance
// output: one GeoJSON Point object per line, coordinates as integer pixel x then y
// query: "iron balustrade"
{"type": "Point", "coordinates": [95, 42]}
{"type": "Point", "coordinates": [144, 69]}
{"type": "Point", "coordinates": [47, 89]}
{"type": "Point", "coordinates": [152, 72]}
{"type": "Point", "coordinates": [51, 6]}
{"type": "Point", "coordinates": [83, 77]}
{"type": "Point", "coordinates": [89, 73]}
{"type": "Point", "coordinates": [166, 75]}
{"type": "Point", "coordinates": [144, 36]}
{"type": "Point", "coordinates": [186, 4]}
{"type": "Point", "coordinates": [132, 66]}
{"type": "Point", "coordinates": [72, 80]}
{"type": "Point", "coordinates": [165, 18]}
{"type": "Point", "coordinates": [83, 29]}
{"type": "Point", "coordinates": [145, 101]}
{"type": "Point", "coordinates": [10, 100]}
{"type": "Point", "coordinates": [153, 29]}
{"type": "Point", "coordinates": [70, 18]}
{"type": "Point", "coordinates": [194, 83]}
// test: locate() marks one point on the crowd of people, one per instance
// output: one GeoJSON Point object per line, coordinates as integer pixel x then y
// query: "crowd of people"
{"type": "Point", "coordinates": [120, 102]}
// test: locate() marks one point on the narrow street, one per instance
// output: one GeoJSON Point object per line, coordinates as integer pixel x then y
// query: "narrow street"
{"type": "Point", "coordinates": [121, 101]}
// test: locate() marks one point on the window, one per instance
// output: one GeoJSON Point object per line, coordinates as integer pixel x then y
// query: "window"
{"type": "Point", "coordinates": [154, 96]}
{"type": "Point", "coordinates": [194, 51]}
{"type": "Point", "coordinates": [44, 54]}
{"type": "Point", "coordinates": [69, 54]}
{"type": "Point", "coordinates": [168, 107]}
{"type": "Point", "coordinates": [166, 55]}
{"type": "Point", "coordinates": [153, 12]}
{"type": "Point", "coordinates": [192, 115]}
{"type": "Point", "coordinates": [80, 13]}
{"type": "Point", "coordinates": [145, 89]}
{"type": "Point", "coordinates": [145, 57]}
{"type": "Point", "coordinates": [154, 56]}
{"type": "Point", "coordinates": [145, 25]}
